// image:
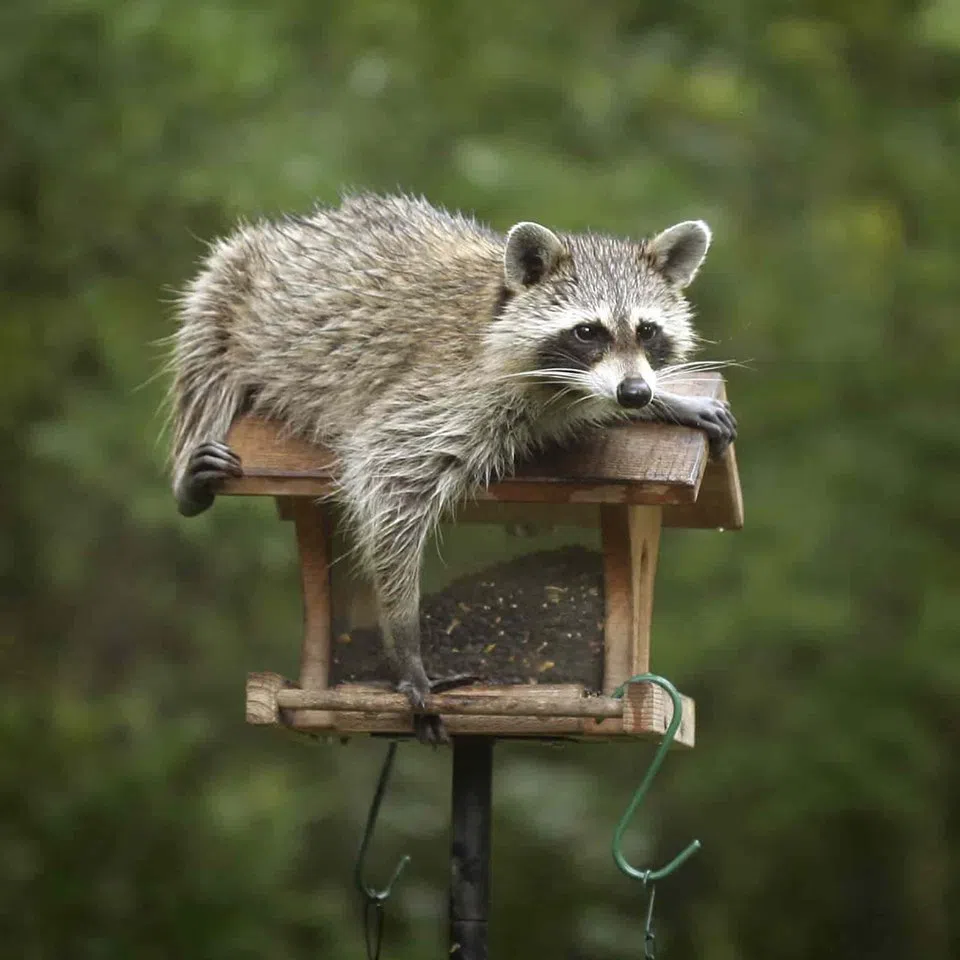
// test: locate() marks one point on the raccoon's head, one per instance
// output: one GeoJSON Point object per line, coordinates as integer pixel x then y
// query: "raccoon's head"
{"type": "Point", "coordinates": [597, 316]}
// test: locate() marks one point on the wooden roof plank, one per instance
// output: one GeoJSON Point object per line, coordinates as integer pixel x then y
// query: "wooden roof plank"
{"type": "Point", "coordinates": [643, 463]}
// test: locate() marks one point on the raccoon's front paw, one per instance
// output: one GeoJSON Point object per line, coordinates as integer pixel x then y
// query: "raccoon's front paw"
{"type": "Point", "coordinates": [210, 464]}
{"type": "Point", "coordinates": [715, 419]}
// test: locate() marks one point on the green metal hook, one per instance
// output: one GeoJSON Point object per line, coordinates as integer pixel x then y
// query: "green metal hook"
{"type": "Point", "coordinates": [372, 895]}
{"type": "Point", "coordinates": [651, 876]}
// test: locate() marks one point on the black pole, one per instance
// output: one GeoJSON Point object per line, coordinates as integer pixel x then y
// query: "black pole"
{"type": "Point", "coordinates": [470, 849]}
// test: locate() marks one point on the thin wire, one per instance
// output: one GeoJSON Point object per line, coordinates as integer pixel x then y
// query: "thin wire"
{"type": "Point", "coordinates": [369, 892]}
{"type": "Point", "coordinates": [373, 899]}
{"type": "Point", "coordinates": [649, 937]}
{"type": "Point", "coordinates": [373, 928]}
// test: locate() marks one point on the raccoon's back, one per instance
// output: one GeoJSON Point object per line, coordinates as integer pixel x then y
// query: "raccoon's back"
{"type": "Point", "coordinates": [318, 314]}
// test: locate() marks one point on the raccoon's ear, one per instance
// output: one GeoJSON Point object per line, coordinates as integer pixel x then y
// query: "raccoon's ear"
{"type": "Point", "coordinates": [678, 252]}
{"type": "Point", "coordinates": [531, 253]}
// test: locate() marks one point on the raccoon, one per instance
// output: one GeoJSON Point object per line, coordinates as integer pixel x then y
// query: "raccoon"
{"type": "Point", "coordinates": [431, 353]}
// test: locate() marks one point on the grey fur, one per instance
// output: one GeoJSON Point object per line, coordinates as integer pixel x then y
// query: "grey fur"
{"type": "Point", "coordinates": [410, 340]}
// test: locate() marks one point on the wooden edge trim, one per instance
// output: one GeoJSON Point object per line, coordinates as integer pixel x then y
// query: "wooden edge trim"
{"type": "Point", "coordinates": [254, 484]}
{"type": "Point", "coordinates": [559, 711]}
{"type": "Point", "coordinates": [583, 729]}
{"type": "Point", "coordinates": [262, 690]}
{"type": "Point", "coordinates": [479, 703]}
{"type": "Point", "coordinates": [647, 706]}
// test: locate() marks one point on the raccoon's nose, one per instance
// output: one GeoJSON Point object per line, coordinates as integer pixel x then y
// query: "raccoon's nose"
{"type": "Point", "coordinates": [634, 392]}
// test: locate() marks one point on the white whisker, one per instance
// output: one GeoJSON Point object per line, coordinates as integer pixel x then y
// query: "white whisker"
{"type": "Point", "coordinates": [672, 372]}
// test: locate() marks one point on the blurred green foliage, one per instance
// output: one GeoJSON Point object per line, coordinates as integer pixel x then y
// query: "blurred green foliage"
{"type": "Point", "coordinates": [141, 818]}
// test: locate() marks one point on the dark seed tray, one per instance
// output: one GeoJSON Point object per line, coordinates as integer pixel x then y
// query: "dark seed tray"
{"type": "Point", "coordinates": [535, 619]}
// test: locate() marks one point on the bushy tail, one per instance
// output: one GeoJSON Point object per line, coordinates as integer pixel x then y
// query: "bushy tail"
{"type": "Point", "coordinates": [206, 394]}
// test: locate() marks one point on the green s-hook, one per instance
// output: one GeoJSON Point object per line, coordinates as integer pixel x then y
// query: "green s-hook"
{"type": "Point", "coordinates": [651, 876]}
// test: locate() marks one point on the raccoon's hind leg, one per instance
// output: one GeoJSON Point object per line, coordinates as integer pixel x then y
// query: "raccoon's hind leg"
{"type": "Point", "coordinates": [401, 634]}
{"type": "Point", "coordinates": [391, 530]}
{"type": "Point", "coordinates": [209, 465]}
{"type": "Point", "coordinates": [397, 584]}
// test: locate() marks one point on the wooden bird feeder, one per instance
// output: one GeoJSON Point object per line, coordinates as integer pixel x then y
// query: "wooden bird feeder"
{"type": "Point", "coordinates": [543, 587]}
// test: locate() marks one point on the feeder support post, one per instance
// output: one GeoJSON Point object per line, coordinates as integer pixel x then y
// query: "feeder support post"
{"type": "Point", "coordinates": [470, 846]}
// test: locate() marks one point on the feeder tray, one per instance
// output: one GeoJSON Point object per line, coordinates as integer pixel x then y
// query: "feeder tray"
{"type": "Point", "coordinates": [550, 598]}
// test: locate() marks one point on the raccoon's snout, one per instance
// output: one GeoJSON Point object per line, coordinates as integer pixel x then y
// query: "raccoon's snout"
{"type": "Point", "coordinates": [634, 392]}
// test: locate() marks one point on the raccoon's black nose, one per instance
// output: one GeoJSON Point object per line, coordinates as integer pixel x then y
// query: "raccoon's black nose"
{"type": "Point", "coordinates": [634, 392]}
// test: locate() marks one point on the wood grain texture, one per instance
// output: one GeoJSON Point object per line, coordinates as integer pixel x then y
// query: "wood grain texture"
{"type": "Point", "coordinates": [583, 729]}
{"type": "Point", "coordinates": [524, 711]}
{"type": "Point", "coordinates": [647, 706]}
{"type": "Point", "coordinates": [532, 700]}
{"type": "Point", "coordinates": [617, 597]}
{"type": "Point", "coordinates": [628, 464]}
{"type": "Point", "coordinates": [312, 527]}
{"type": "Point", "coordinates": [644, 524]}
{"type": "Point", "coordinates": [262, 690]}
{"type": "Point", "coordinates": [719, 504]}
{"type": "Point", "coordinates": [357, 724]}
{"type": "Point", "coordinates": [631, 541]}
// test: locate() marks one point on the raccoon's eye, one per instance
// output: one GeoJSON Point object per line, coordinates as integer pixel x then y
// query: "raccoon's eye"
{"type": "Point", "coordinates": [587, 332]}
{"type": "Point", "coordinates": [646, 331]}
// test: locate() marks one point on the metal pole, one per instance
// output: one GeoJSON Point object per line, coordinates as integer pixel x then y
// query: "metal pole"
{"type": "Point", "coordinates": [470, 850]}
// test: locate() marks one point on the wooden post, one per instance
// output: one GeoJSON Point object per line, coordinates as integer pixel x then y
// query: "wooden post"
{"type": "Point", "coordinates": [312, 524]}
{"type": "Point", "coordinates": [310, 521]}
{"type": "Point", "coordinates": [645, 523]}
{"type": "Point", "coordinates": [631, 541]}
{"type": "Point", "coordinates": [470, 849]}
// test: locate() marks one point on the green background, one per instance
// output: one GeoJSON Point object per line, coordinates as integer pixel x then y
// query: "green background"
{"type": "Point", "coordinates": [139, 817]}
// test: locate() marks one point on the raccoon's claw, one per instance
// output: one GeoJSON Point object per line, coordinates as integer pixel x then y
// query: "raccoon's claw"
{"type": "Point", "coordinates": [209, 465]}
{"type": "Point", "coordinates": [713, 417]}
{"type": "Point", "coordinates": [415, 689]}
{"type": "Point", "coordinates": [716, 419]}
{"type": "Point", "coordinates": [442, 684]}
{"type": "Point", "coordinates": [428, 727]}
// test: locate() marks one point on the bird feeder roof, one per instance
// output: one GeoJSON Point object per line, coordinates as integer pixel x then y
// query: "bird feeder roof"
{"type": "Point", "coordinates": [642, 463]}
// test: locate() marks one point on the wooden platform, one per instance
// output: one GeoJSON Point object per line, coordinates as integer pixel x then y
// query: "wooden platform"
{"type": "Point", "coordinates": [627, 482]}
{"type": "Point", "coordinates": [635, 464]}
{"type": "Point", "coordinates": [540, 711]}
